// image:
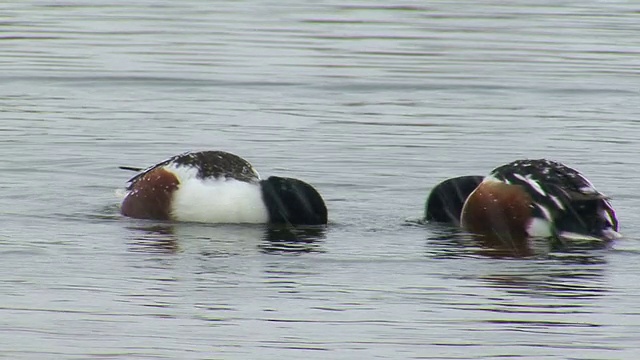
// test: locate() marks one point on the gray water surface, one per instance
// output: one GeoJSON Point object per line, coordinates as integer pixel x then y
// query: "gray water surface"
{"type": "Point", "coordinates": [373, 103]}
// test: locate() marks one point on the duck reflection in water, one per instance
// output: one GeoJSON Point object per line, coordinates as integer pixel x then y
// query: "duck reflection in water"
{"type": "Point", "coordinates": [293, 240]}
{"type": "Point", "coordinates": [227, 240]}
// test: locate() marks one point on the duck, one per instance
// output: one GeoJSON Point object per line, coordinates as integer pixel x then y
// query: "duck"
{"type": "Point", "coordinates": [219, 187]}
{"type": "Point", "coordinates": [525, 199]}
{"type": "Point", "coordinates": [538, 198]}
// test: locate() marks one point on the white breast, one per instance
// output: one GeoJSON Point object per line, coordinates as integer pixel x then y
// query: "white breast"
{"type": "Point", "coordinates": [217, 200]}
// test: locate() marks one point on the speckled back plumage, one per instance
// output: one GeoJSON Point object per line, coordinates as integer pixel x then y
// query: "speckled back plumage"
{"type": "Point", "coordinates": [210, 164]}
{"type": "Point", "coordinates": [551, 176]}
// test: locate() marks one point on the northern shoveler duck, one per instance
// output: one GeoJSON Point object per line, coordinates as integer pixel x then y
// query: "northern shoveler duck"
{"type": "Point", "coordinates": [538, 198]}
{"type": "Point", "coordinates": [525, 199]}
{"type": "Point", "coordinates": [219, 187]}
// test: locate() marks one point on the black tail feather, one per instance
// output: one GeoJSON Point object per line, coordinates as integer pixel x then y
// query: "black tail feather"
{"type": "Point", "coordinates": [130, 168]}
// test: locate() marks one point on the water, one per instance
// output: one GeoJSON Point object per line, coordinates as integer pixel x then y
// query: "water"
{"type": "Point", "coordinates": [373, 104]}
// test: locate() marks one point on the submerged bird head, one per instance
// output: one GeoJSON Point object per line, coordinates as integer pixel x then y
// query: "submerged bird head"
{"type": "Point", "coordinates": [445, 201]}
{"type": "Point", "coordinates": [293, 201]}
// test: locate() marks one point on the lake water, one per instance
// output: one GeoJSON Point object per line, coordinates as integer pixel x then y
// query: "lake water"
{"type": "Point", "coordinates": [371, 102]}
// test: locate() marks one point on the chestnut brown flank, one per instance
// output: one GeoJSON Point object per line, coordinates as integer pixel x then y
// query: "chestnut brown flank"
{"type": "Point", "coordinates": [500, 212]}
{"type": "Point", "coordinates": [150, 196]}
